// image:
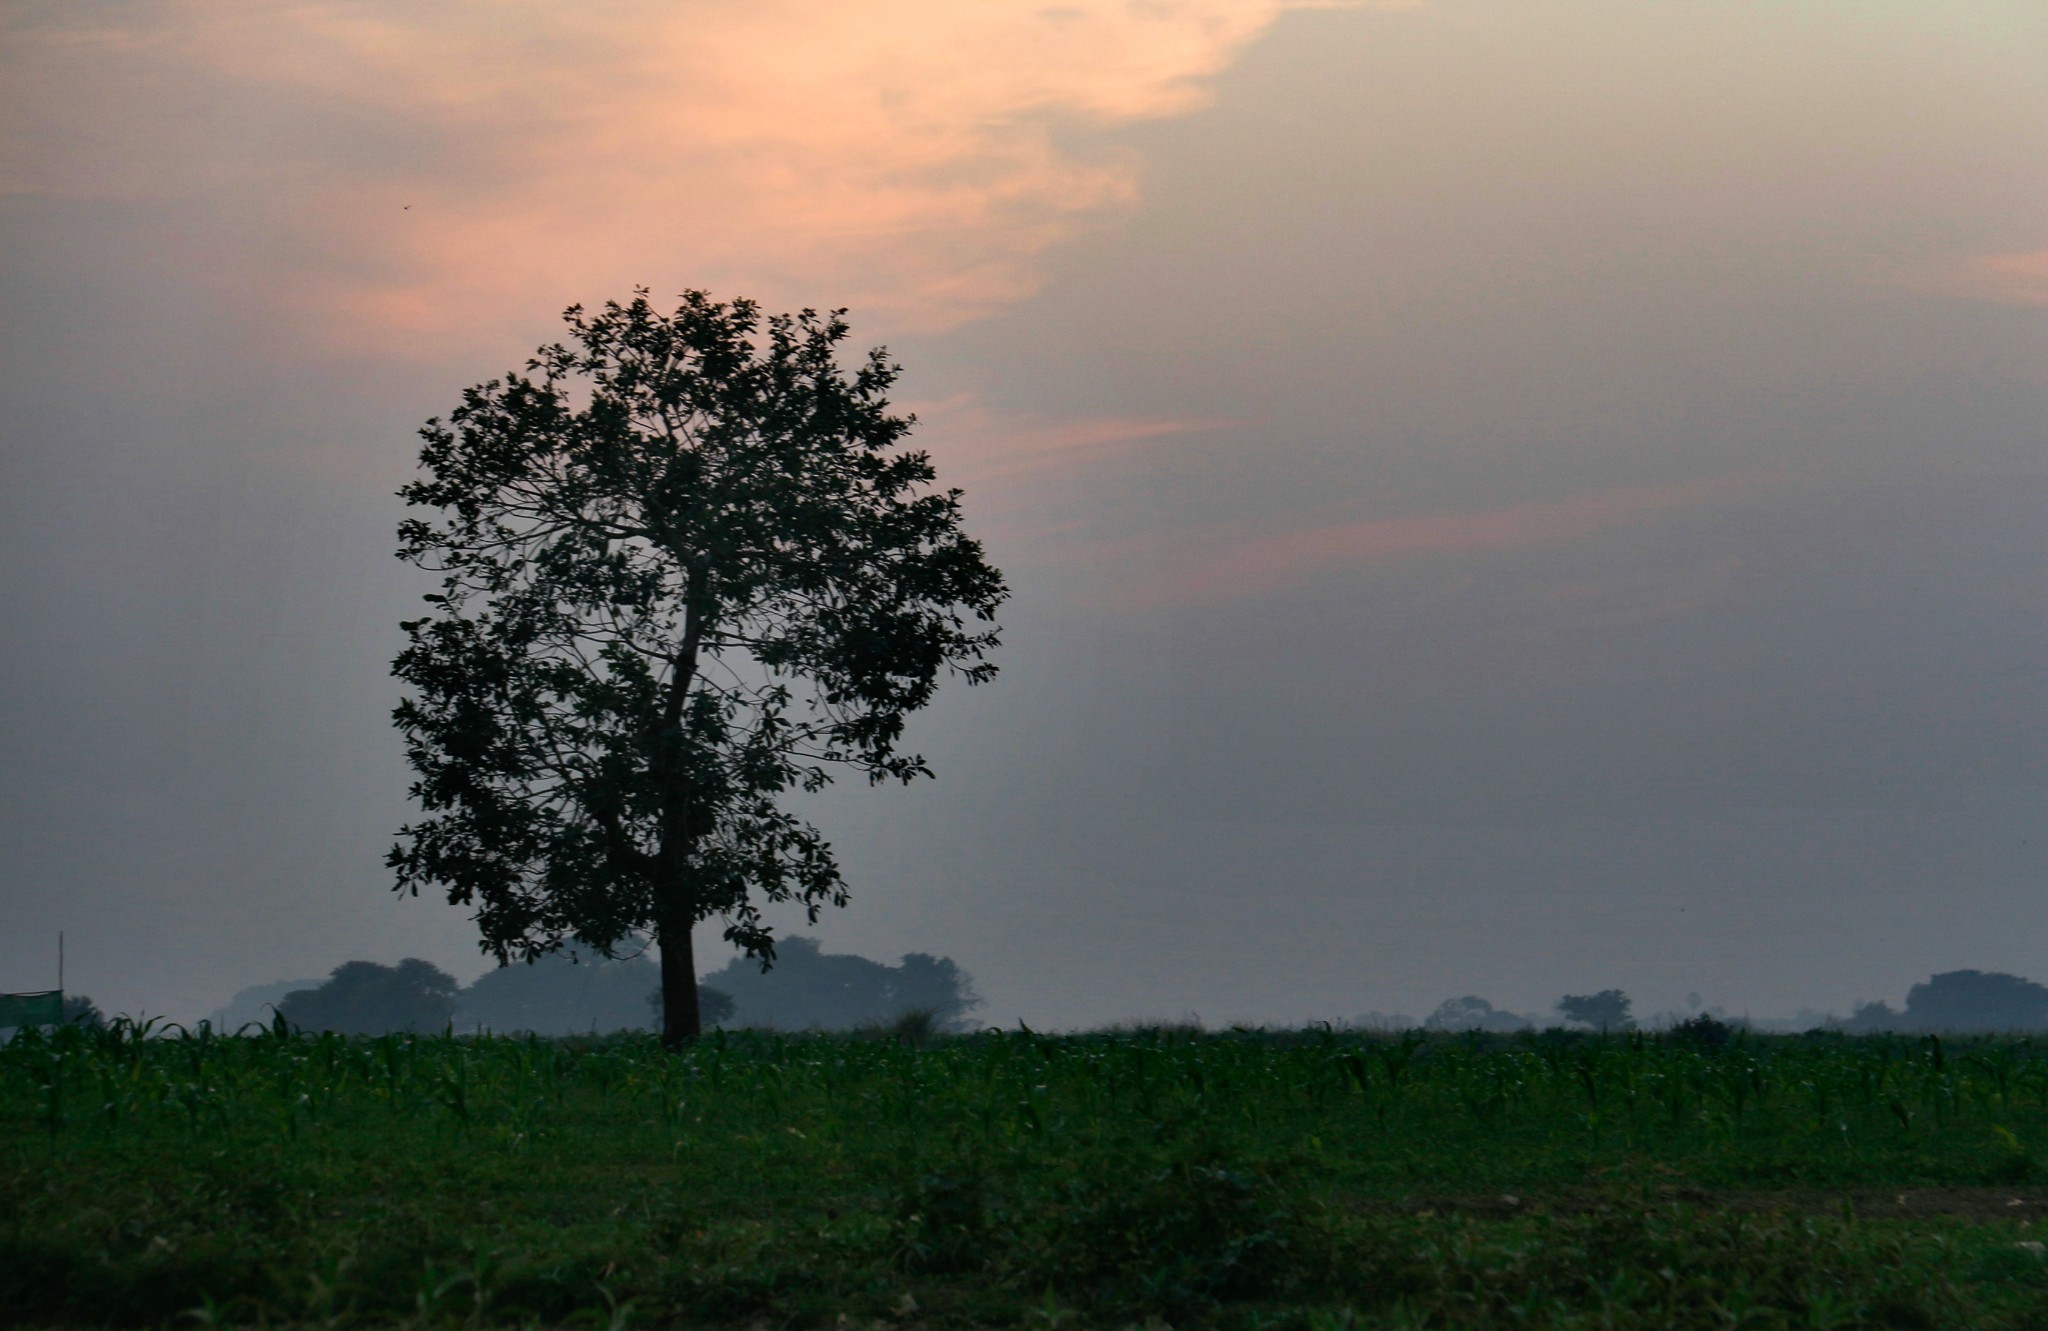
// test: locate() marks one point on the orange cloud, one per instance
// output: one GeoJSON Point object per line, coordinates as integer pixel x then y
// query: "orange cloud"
{"type": "Point", "coordinates": [1027, 475]}
{"type": "Point", "coordinates": [980, 444]}
{"type": "Point", "coordinates": [904, 157]}
{"type": "Point", "coordinates": [1998, 279]}
{"type": "Point", "coordinates": [1223, 562]}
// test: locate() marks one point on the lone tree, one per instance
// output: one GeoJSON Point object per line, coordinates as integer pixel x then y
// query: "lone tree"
{"type": "Point", "coordinates": [688, 568]}
{"type": "Point", "coordinates": [364, 998]}
{"type": "Point", "coordinates": [1977, 1001]}
{"type": "Point", "coordinates": [1606, 1010]}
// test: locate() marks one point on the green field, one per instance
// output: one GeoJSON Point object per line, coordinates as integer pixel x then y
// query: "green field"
{"type": "Point", "coordinates": [1239, 1179]}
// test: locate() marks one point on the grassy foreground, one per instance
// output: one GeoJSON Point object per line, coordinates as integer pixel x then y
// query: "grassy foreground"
{"type": "Point", "coordinates": [1313, 1180]}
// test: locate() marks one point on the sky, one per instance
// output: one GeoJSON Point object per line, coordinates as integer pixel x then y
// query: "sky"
{"type": "Point", "coordinates": [1503, 497]}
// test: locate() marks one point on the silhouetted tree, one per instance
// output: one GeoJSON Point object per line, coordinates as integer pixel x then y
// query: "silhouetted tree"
{"type": "Point", "coordinates": [1472, 1013]}
{"type": "Point", "coordinates": [925, 983]}
{"type": "Point", "coordinates": [1976, 1001]}
{"type": "Point", "coordinates": [82, 1011]}
{"type": "Point", "coordinates": [257, 1003]}
{"type": "Point", "coordinates": [1870, 1017]}
{"type": "Point", "coordinates": [1607, 1010]}
{"type": "Point", "coordinates": [364, 998]}
{"type": "Point", "coordinates": [687, 570]}
{"type": "Point", "coordinates": [814, 989]}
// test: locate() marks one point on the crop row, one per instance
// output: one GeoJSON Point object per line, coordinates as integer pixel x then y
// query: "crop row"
{"type": "Point", "coordinates": [1017, 1086]}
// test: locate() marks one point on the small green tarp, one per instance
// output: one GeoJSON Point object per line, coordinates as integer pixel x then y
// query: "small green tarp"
{"type": "Point", "coordinates": [44, 1008]}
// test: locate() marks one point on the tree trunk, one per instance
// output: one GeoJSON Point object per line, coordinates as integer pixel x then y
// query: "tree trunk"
{"type": "Point", "coordinates": [680, 1022]}
{"type": "Point", "coordinates": [681, 824]}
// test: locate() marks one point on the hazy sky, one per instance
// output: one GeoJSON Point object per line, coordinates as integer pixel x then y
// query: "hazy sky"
{"type": "Point", "coordinates": [1503, 496]}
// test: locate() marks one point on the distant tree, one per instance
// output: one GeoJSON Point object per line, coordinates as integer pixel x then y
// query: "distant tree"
{"type": "Point", "coordinates": [1607, 1010]}
{"type": "Point", "coordinates": [1976, 1001]}
{"type": "Point", "coordinates": [256, 1003]}
{"type": "Point", "coordinates": [1868, 1018]}
{"type": "Point", "coordinates": [568, 992]}
{"type": "Point", "coordinates": [364, 998]}
{"type": "Point", "coordinates": [1472, 1013]}
{"type": "Point", "coordinates": [1704, 1031]}
{"type": "Point", "coordinates": [814, 989]}
{"type": "Point", "coordinates": [82, 1011]}
{"type": "Point", "coordinates": [688, 569]}
{"type": "Point", "coordinates": [925, 983]}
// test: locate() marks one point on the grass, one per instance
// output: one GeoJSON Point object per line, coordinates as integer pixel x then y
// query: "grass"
{"type": "Point", "coordinates": [1305, 1180]}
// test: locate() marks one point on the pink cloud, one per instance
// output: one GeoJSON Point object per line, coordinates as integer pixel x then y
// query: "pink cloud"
{"type": "Point", "coordinates": [1025, 474]}
{"type": "Point", "coordinates": [897, 156]}
{"type": "Point", "coordinates": [1223, 562]}
{"type": "Point", "coordinates": [979, 444]}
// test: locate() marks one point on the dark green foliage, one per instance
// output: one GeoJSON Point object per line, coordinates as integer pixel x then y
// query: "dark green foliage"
{"type": "Point", "coordinates": [1313, 1179]}
{"type": "Point", "coordinates": [1976, 1001]}
{"type": "Point", "coordinates": [943, 1225]}
{"type": "Point", "coordinates": [917, 1028]}
{"type": "Point", "coordinates": [1184, 1237]}
{"type": "Point", "coordinates": [1672, 1268]}
{"type": "Point", "coordinates": [364, 998]}
{"type": "Point", "coordinates": [1607, 1010]}
{"type": "Point", "coordinates": [811, 989]}
{"type": "Point", "coordinates": [1702, 1032]}
{"type": "Point", "coordinates": [688, 568]}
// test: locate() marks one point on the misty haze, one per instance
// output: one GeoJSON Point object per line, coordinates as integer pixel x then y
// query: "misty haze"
{"type": "Point", "coordinates": [1489, 506]}
{"type": "Point", "coordinates": [1023, 638]}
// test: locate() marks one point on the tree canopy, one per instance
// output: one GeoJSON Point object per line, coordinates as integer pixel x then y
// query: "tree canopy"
{"type": "Point", "coordinates": [1606, 1010]}
{"type": "Point", "coordinates": [687, 567]}
{"type": "Point", "coordinates": [812, 989]}
{"type": "Point", "coordinates": [365, 998]}
{"type": "Point", "coordinates": [1973, 1000]}
{"type": "Point", "coordinates": [1473, 1013]}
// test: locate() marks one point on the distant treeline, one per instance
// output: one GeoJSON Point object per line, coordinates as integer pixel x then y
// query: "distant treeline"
{"type": "Point", "coordinates": [579, 991]}
{"type": "Point", "coordinates": [1960, 1001]}
{"type": "Point", "coordinates": [810, 989]}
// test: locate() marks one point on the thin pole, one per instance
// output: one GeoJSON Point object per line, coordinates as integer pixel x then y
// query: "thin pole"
{"type": "Point", "coordinates": [60, 961]}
